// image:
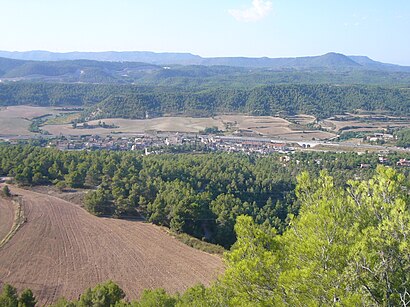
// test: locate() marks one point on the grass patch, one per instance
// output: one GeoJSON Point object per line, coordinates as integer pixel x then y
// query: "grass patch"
{"type": "Point", "coordinates": [198, 244]}
{"type": "Point", "coordinates": [63, 119]}
{"type": "Point", "coordinates": [19, 220]}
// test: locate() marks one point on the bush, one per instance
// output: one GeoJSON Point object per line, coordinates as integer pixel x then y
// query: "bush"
{"type": "Point", "coordinates": [6, 191]}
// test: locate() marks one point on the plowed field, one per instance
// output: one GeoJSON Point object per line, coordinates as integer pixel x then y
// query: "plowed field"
{"type": "Point", "coordinates": [6, 217]}
{"type": "Point", "coordinates": [61, 250]}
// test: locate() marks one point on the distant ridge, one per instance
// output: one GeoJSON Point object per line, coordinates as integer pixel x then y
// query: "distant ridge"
{"type": "Point", "coordinates": [328, 60]}
{"type": "Point", "coordinates": [112, 56]}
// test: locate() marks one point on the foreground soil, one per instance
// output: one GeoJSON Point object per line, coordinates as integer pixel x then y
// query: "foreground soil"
{"type": "Point", "coordinates": [61, 250]}
{"type": "Point", "coordinates": [6, 216]}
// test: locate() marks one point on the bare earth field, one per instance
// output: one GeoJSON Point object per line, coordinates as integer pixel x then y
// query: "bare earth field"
{"type": "Point", "coordinates": [303, 119]}
{"type": "Point", "coordinates": [27, 112]}
{"type": "Point", "coordinates": [14, 126]}
{"type": "Point", "coordinates": [365, 124]}
{"type": "Point", "coordinates": [260, 125]}
{"type": "Point", "coordinates": [61, 250]}
{"type": "Point", "coordinates": [15, 120]}
{"type": "Point", "coordinates": [6, 217]}
{"type": "Point", "coordinates": [129, 126]}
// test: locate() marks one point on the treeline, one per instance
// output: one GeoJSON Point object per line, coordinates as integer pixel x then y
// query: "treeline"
{"type": "Point", "coordinates": [200, 195]}
{"type": "Point", "coordinates": [10, 298]}
{"type": "Point", "coordinates": [348, 247]}
{"type": "Point", "coordinates": [131, 101]}
{"type": "Point", "coordinates": [403, 138]}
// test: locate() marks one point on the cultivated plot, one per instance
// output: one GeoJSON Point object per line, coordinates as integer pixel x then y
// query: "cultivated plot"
{"type": "Point", "coordinates": [6, 217]}
{"type": "Point", "coordinates": [61, 250]}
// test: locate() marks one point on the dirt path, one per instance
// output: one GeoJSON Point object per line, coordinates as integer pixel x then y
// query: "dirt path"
{"type": "Point", "coordinates": [61, 250]}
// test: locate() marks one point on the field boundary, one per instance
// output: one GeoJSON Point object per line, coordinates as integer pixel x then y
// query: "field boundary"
{"type": "Point", "coordinates": [19, 220]}
{"type": "Point", "coordinates": [209, 248]}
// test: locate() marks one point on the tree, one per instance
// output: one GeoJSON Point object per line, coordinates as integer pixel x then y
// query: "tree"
{"type": "Point", "coordinates": [98, 202]}
{"type": "Point", "coordinates": [347, 246]}
{"type": "Point", "coordinates": [8, 297]}
{"type": "Point", "coordinates": [6, 191]}
{"type": "Point", "coordinates": [105, 294]}
{"type": "Point", "coordinates": [227, 208]}
{"type": "Point", "coordinates": [27, 299]}
{"type": "Point", "coordinates": [157, 297]}
{"type": "Point", "coordinates": [75, 179]}
{"type": "Point", "coordinates": [61, 185]}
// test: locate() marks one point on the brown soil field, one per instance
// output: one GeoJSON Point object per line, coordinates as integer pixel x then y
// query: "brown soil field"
{"type": "Point", "coordinates": [6, 216]}
{"type": "Point", "coordinates": [260, 125]}
{"type": "Point", "coordinates": [61, 250]}
{"type": "Point", "coordinates": [15, 120]}
{"type": "Point", "coordinates": [365, 124]}
{"type": "Point", "coordinates": [129, 126]}
{"type": "Point", "coordinates": [303, 119]}
{"type": "Point", "coordinates": [14, 126]}
{"type": "Point", "coordinates": [25, 111]}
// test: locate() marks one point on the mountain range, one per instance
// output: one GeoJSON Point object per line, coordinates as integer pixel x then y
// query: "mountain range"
{"type": "Point", "coordinates": [184, 69]}
{"type": "Point", "coordinates": [328, 60]}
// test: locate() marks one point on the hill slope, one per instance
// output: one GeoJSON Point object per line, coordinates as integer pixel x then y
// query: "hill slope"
{"type": "Point", "coordinates": [62, 249]}
{"type": "Point", "coordinates": [330, 68]}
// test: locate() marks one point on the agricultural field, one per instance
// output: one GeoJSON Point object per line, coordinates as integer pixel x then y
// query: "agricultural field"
{"type": "Point", "coordinates": [61, 250]}
{"type": "Point", "coordinates": [354, 122]}
{"type": "Point", "coordinates": [16, 120]}
{"type": "Point", "coordinates": [6, 217]}
{"type": "Point", "coordinates": [254, 125]}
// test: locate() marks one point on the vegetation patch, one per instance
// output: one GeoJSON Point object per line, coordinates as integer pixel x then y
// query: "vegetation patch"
{"type": "Point", "coordinates": [19, 220]}
{"type": "Point", "coordinates": [197, 244]}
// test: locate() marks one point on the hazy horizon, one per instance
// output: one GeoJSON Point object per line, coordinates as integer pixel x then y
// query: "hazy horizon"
{"type": "Point", "coordinates": [246, 28]}
{"type": "Point", "coordinates": [182, 52]}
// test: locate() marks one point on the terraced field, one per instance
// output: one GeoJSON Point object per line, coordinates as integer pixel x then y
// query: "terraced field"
{"type": "Point", "coordinates": [61, 250]}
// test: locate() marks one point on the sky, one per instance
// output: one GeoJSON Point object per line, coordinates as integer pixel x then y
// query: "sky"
{"type": "Point", "coordinates": [209, 28]}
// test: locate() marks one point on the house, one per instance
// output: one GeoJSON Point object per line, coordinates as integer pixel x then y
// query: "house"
{"type": "Point", "coordinates": [284, 159]}
{"type": "Point", "coordinates": [363, 165]}
{"type": "Point", "coordinates": [403, 162]}
{"type": "Point", "coordinates": [383, 160]}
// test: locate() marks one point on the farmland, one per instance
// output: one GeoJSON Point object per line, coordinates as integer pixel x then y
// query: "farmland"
{"type": "Point", "coordinates": [367, 122]}
{"type": "Point", "coordinates": [6, 217]}
{"type": "Point", "coordinates": [15, 120]}
{"type": "Point", "coordinates": [18, 121]}
{"type": "Point", "coordinates": [62, 249]}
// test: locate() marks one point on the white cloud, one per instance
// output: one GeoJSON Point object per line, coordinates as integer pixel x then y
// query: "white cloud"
{"type": "Point", "coordinates": [259, 10]}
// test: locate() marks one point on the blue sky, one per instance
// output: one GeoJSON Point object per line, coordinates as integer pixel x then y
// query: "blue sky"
{"type": "Point", "coordinates": [275, 28]}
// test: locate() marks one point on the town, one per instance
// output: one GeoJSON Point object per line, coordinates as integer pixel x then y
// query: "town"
{"type": "Point", "coordinates": [153, 143]}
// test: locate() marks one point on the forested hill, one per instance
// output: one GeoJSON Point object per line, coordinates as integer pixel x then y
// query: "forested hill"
{"type": "Point", "coordinates": [130, 101]}
{"type": "Point", "coordinates": [229, 72]}
{"type": "Point", "coordinates": [331, 59]}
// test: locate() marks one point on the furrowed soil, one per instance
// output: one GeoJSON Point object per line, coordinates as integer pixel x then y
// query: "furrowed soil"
{"type": "Point", "coordinates": [61, 250]}
{"type": "Point", "coordinates": [6, 217]}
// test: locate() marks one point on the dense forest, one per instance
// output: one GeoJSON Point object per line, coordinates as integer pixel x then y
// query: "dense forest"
{"type": "Point", "coordinates": [198, 194]}
{"type": "Point", "coordinates": [130, 101]}
{"type": "Point", "coordinates": [403, 138]}
{"type": "Point", "coordinates": [348, 247]}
